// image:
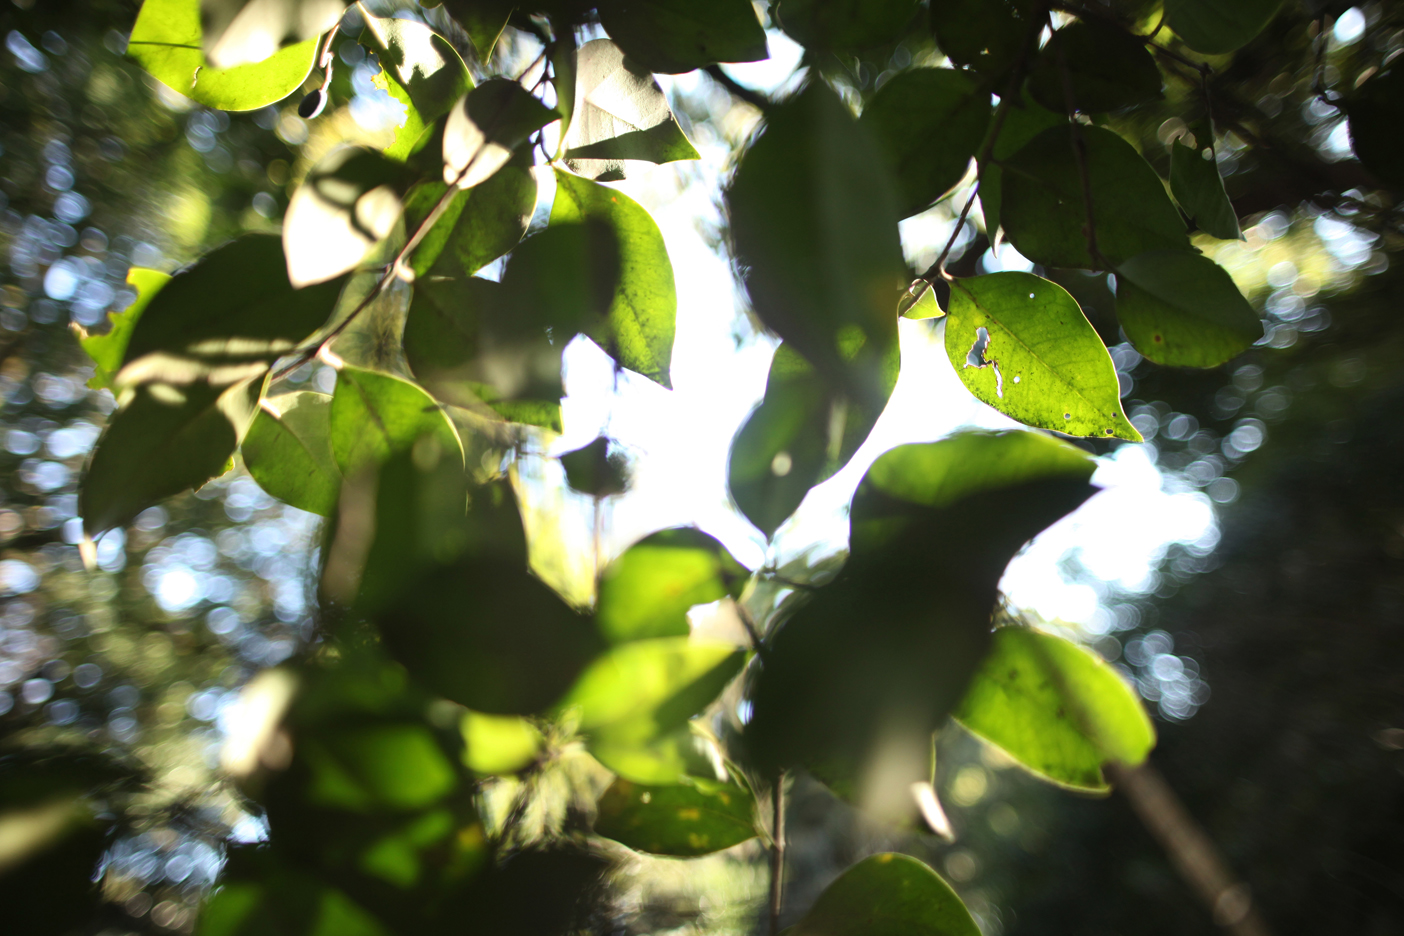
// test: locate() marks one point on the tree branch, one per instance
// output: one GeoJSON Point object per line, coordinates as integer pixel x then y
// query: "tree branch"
{"type": "Point", "coordinates": [777, 851]}
{"type": "Point", "coordinates": [741, 92]}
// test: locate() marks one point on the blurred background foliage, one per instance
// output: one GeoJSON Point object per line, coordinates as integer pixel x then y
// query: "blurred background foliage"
{"type": "Point", "coordinates": [1271, 657]}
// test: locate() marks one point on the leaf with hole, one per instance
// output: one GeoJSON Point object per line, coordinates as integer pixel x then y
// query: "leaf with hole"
{"type": "Point", "coordinates": [1056, 708]}
{"type": "Point", "coordinates": [620, 116]}
{"type": "Point", "coordinates": [928, 122]}
{"type": "Point", "coordinates": [375, 415]}
{"type": "Point", "coordinates": [168, 41]}
{"type": "Point", "coordinates": [1215, 28]}
{"type": "Point", "coordinates": [676, 36]}
{"type": "Point", "coordinates": [419, 69]}
{"type": "Point", "coordinates": [648, 591]}
{"type": "Point", "coordinates": [1183, 309]}
{"type": "Point", "coordinates": [288, 451]}
{"type": "Point", "coordinates": [638, 329]}
{"type": "Point", "coordinates": [1044, 213]}
{"type": "Point", "coordinates": [694, 817]}
{"type": "Point", "coordinates": [1107, 67]}
{"type": "Point", "coordinates": [888, 895]}
{"type": "Point", "coordinates": [485, 128]}
{"type": "Point", "coordinates": [348, 203]}
{"type": "Point", "coordinates": [108, 350]}
{"type": "Point", "coordinates": [1197, 186]}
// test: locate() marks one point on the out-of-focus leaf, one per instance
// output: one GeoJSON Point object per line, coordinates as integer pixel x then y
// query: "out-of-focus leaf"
{"type": "Point", "coordinates": [262, 896]}
{"type": "Point", "coordinates": [225, 318]}
{"type": "Point", "coordinates": [595, 470]}
{"type": "Point", "coordinates": [1056, 708]}
{"type": "Point", "coordinates": [484, 21]}
{"type": "Point", "coordinates": [498, 744]}
{"type": "Point", "coordinates": [620, 115]}
{"type": "Point", "coordinates": [288, 451]}
{"type": "Point", "coordinates": [1214, 28]}
{"type": "Point", "coordinates": [167, 40]}
{"type": "Point", "coordinates": [478, 226]}
{"type": "Point", "coordinates": [638, 332]}
{"type": "Point", "coordinates": [1107, 67]}
{"type": "Point", "coordinates": [844, 26]}
{"type": "Point", "coordinates": [694, 817]}
{"type": "Point", "coordinates": [636, 693]}
{"type": "Point", "coordinates": [1021, 344]}
{"type": "Point", "coordinates": [369, 767]}
{"type": "Point", "coordinates": [1043, 211]}
{"type": "Point", "coordinates": [888, 895]}
{"type": "Point", "coordinates": [985, 35]}
{"type": "Point", "coordinates": [1183, 309]}
{"type": "Point", "coordinates": [348, 203]}
{"type": "Point", "coordinates": [804, 430]}
{"type": "Point", "coordinates": [675, 36]}
{"type": "Point", "coordinates": [161, 441]}
{"type": "Point", "coordinates": [929, 122]}
{"type": "Point", "coordinates": [814, 220]}
{"type": "Point", "coordinates": [648, 591]}
{"type": "Point", "coordinates": [1196, 185]}
{"type": "Point", "coordinates": [107, 351]}
{"type": "Point", "coordinates": [421, 70]}
{"type": "Point", "coordinates": [485, 128]}
{"type": "Point", "coordinates": [375, 415]}
{"type": "Point", "coordinates": [1376, 121]}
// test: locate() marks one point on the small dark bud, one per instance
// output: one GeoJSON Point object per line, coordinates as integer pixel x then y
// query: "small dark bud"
{"type": "Point", "coordinates": [312, 104]}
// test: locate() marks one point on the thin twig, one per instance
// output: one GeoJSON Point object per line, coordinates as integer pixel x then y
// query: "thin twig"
{"type": "Point", "coordinates": [739, 91]}
{"type": "Point", "coordinates": [752, 631]}
{"type": "Point", "coordinates": [777, 851]}
{"type": "Point", "coordinates": [1079, 146]}
{"type": "Point", "coordinates": [396, 266]}
{"type": "Point", "coordinates": [940, 264]}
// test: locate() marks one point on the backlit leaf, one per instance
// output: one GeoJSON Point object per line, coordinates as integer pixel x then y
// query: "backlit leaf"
{"type": "Point", "coordinates": [888, 895]}
{"type": "Point", "coordinates": [365, 767]}
{"type": "Point", "coordinates": [348, 203]}
{"type": "Point", "coordinates": [675, 36]}
{"type": "Point", "coordinates": [1021, 344]}
{"type": "Point", "coordinates": [648, 591]}
{"type": "Point", "coordinates": [375, 415]}
{"type": "Point", "coordinates": [108, 350]}
{"type": "Point", "coordinates": [639, 330]}
{"type": "Point", "coordinates": [694, 817]}
{"type": "Point", "coordinates": [478, 226]}
{"type": "Point", "coordinates": [498, 744]}
{"type": "Point", "coordinates": [1183, 309]}
{"type": "Point", "coordinates": [1215, 28]}
{"type": "Point", "coordinates": [1056, 708]}
{"type": "Point", "coordinates": [288, 451]}
{"type": "Point", "coordinates": [420, 69]}
{"type": "Point", "coordinates": [1198, 188]}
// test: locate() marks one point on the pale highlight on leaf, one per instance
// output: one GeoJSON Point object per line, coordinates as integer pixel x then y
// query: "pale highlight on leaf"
{"type": "Point", "coordinates": [343, 209]}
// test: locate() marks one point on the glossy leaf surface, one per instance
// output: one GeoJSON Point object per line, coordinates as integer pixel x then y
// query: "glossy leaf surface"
{"type": "Point", "coordinates": [1197, 186]}
{"type": "Point", "coordinates": [288, 451]}
{"type": "Point", "coordinates": [648, 591]}
{"type": "Point", "coordinates": [888, 895]}
{"type": "Point", "coordinates": [1056, 708]}
{"type": "Point", "coordinates": [1183, 309]}
{"type": "Point", "coordinates": [1021, 344]}
{"type": "Point", "coordinates": [691, 818]}
{"type": "Point", "coordinates": [675, 36]}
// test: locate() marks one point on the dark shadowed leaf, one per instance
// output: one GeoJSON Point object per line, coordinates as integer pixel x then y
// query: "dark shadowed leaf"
{"type": "Point", "coordinates": [348, 203]}
{"type": "Point", "coordinates": [1056, 708]}
{"type": "Point", "coordinates": [929, 122]}
{"type": "Point", "coordinates": [167, 40]}
{"type": "Point", "coordinates": [262, 896]}
{"type": "Point", "coordinates": [1107, 67]}
{"type": "Point", "coordinates": [814, 221]}
{"type": "Point", "coordinates": [1215, 28]}
{"type": "Point", "coordinates": [1023, 121]}
{"type": "Point", "coordinates": [694, 817]}
{"type": "Point", "coordinates": [985, 35]}
{"type": "Point", "coordinates": [888, 895]}
{"type": "Point", "coordinates": [1196, 185]}
{"type": "Point", "coordinates": [844, 26]}
{"type": "Point", "coordinates": [161, 441]}
{"type": "Point", "coordinates": [1042, 206]}
{"type": "Point", "coordinates": [675, 36]}
{"type": "Point", "coordinates": [484, 21]}
{"type": "Point", "coordinates": [288, 451]}
{"type": "Point", "coordinates": [420, 69]}
{"type": "Point", "coordinates": [1183, 309]}
{"type": "Point", "coordinates": [108, 350]}
{"type": "Point", "coordinates": [638, 332]}
{"type": "Point", "coordinates": [1021, 344]}
{"type": "Point", "coordinates": [1376, 113]}
{"type": "Point", "coordinates": [375, 415]}
{"type": "Point", "coordinates": [648, 591]}
{"type": "Point", "coordinates": [595, 470]}
{"type": "Point", "coordinates": [620, 115]}
{"type": "Point", "coordinates": [485, 128]}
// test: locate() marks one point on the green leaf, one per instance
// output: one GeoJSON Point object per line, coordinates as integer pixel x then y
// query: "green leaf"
{"type": "Point", "coordinates": [1376, 121]}
{"type": "Point", "coordinates": [485, 128]}
{"type": "Point", "coordinates": [985, 35]}
{"type": "Point", "coordinates": [1198, 188]}
{"type": "Point", "coordinates": [804, 430]}
{"type": "Point", "coordinates": [484, 21]}
{"type": "Point", "coordinates": [926, 307]}
{"type": "Point", "coordinates": [844, 26]}
{"type": "Point", "coordinates": [167, 41]}
{"type": "Point", "coordinates": [288, 451]}
{"type": "Point", "coordinates": [1021, 344]}
{"type": "Point", "coordinates": [888, 895]}
{"type": "Point", "coordinates": [1022, 122]}
{"type": "Point", "coordinates": [1183, 309]}
{"type": "Point", "coordinates": [648, 591]}
{"type": "Point", "coordinates": [637, 693]}
{"type": "Point", "coordinates": [1108, 68]}
{"type": "Point", "coordinates": [479, 225]}
{"type": "Point", "coordinates": [1056, 708]}
{"type": "Point", "coordinates": [694, 817]}
{"type": "Point", "coordinates": [365, 768]}
{"type": "Point", "coordinates": [107, 351]}
{"type": "Point", "coordinates": [225, 318]}
{"type": "Point", "coordinates": [471, 348]}
{"type": "Point", "coordinates": [676, 36]}
{"type": "Point", "coordinates": [420, 69]}
{"type": "Point", "coordinates": [595, 470]}
{"type": "Point", "coordinates": [498, 744]}
{"type": "Point", "coordinates": [929, 122]}
{"type": "Point", "coordinates": [639, 330]}
{"type": "Point", "coordinates": [620, 115]}
{"type": "Point", "coordinates": [375, 415]}
{"type": "Point", "coordinates": [161, 441]}
{"type": "Point", "coordinates": [348, 203]}
{"type": "Point", "coordinates": [282, 900]}
{"type": "Point", "coordinates": [1043, 210]}
{"type": "Point", "coordinates": [814, 221]}
{"type": "Point", "coordinates": [1215, 28]}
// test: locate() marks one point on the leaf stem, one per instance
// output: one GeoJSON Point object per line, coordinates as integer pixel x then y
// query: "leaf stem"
{"type": "Point", "coordinates": [777, 851]}
{"type": "Point", "coordinates": [737, 90]}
